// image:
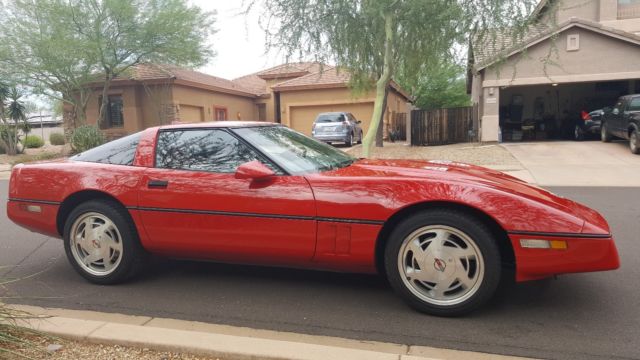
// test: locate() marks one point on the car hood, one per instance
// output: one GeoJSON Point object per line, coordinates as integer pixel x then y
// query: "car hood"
{"type": "Point", "coordinates": [456, 172]}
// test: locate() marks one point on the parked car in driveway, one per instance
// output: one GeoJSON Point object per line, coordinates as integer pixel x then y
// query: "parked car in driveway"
{"type": "Point", "coordinates": [588, 125]}
{"type": "Point", "coordinates": [337, 127]}
{"type": "Point", "coordinates": [623, 121]}
{"type": "Point", "coordinates": [441, 232]}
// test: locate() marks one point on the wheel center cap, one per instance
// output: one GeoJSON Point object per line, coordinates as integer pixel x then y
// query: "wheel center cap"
{"type": "Point", "coordinates": [96, 244]}
{"type": "Point", "coordinates": [439, 265]}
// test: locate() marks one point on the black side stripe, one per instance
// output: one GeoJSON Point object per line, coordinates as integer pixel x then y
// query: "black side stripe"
{"type": "Point", "coordinates": [561, 234]}
{"type": "Point", "coordinates": [258, 215]}
{"type": "Point", "coordinates": [46, 202]}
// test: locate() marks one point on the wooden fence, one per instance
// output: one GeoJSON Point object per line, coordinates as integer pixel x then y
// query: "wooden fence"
{"type": "Point", "coordinates": [398, 127]}
{"type": "Point", "coordinates": [443, 126]}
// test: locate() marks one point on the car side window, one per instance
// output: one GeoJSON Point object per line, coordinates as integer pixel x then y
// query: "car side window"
{"type": "Point", "coordinates": [634, 105]}
{"type": "Point", "coordinates": [211, 150]}
{"type": "Point", "coordinates": [351, 118]}
{"type": "Point", "coordinates": [117, 152]}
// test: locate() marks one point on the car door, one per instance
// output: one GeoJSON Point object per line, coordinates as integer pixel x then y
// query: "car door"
{"type": "Point", "coordinates": [354, 125]}
{"type": "Point", "coordinates": [616, 117]}
{"type": "Point", "coordinates": [192, 205]}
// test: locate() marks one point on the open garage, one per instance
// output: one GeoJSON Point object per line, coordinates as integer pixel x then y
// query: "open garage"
{"type": "Point", "coordinates": [552, 111]}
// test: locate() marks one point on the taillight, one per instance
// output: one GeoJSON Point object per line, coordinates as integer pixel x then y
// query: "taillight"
{"type": "Point", "coordinates": [586, 116]}
{"type": "Point", "coordinates": [345, 125]}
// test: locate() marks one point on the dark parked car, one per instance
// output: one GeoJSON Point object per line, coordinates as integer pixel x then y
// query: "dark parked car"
{"type": "Point", "coordinates": [337, 127]}
{"type": "Point", "coordinates": [588, 125]}
{"type": "Point", "coordinates": [623, 121]}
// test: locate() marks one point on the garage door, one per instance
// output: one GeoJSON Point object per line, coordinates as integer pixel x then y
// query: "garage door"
{"type": "Point", "coordinates": [190, 114]}
{"type": "Point", "coordinates": [302, 117]}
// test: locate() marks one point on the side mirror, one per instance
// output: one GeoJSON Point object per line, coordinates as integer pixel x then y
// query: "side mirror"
{"type": "Point", "coordinates": [254, 170]}
{"type": "Point", "coordinates": [359, 122]}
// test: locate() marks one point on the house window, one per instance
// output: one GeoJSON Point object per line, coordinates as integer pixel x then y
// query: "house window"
{"type": "Point", "coordinates": [262, 112]}
{"type": "Point", "coordinates": [114, 117]}
{"type": "Point", "coordinates": [220, 113]}
{"type": "Point", "coordinates": [573, 42]}
{"type": "Point", "coordinates": [628, 9]}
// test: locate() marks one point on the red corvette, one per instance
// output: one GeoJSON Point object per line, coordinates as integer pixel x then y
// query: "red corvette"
{"type": "Point", "coordinates": [260, 193]}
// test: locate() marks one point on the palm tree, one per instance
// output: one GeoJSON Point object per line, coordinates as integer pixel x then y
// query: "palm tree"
{"type": "Point", "coordinates": [15, 110]}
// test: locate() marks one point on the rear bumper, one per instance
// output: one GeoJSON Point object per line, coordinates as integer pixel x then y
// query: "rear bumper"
{"type": "Point", "coordinates": [331, 137]}
{"type": "Point", "coordinates": [37, 216]}
{"type": "Point", "coordinates": [583, 254]}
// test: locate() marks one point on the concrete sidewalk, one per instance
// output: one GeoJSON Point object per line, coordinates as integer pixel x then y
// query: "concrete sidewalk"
{"type": "Point", "coordinates": [571, 163]}
{"type": "Point", "coordinates": [224, 341]}
{"type": "Point", "coordinates": [5, 171]}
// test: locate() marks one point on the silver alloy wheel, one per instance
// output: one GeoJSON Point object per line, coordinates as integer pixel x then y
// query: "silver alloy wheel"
{"type": "Point", "coordinates": [96, 244]}
{"type": "Point", "coordinates": [441, 265]}
{"type": "Point", "coordinates": [577, 132]}
{"type": "Point", "coordinates": [633, 142]}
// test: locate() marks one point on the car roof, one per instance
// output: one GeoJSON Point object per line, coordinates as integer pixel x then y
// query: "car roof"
{"type": "Point", "coordinates": [333, 113]}
{"type": "Point", "coordinates": [217, 124]}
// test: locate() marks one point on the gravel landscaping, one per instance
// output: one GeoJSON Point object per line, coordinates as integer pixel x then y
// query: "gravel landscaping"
{"type": "Point", "coordinates": [472, 153]}
{"type": "Point", "coordinates": [53, 348]}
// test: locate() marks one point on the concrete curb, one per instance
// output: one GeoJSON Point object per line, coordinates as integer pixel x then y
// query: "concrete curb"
{"type": "Point", "coordinates": [223, 341]}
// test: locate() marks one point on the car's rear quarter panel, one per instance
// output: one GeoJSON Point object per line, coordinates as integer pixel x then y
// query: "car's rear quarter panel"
{"type": "Point", "coordinates": [49, 184]}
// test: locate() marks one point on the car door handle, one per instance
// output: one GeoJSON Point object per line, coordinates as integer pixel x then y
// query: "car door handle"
{"type": "Point", "coordinates": [157, 184]}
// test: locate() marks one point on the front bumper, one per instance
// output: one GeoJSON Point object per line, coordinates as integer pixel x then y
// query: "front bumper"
{"type": "Point", "coordinates": [583, 254]}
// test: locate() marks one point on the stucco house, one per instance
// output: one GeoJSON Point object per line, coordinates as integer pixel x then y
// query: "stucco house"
{"type": "Point", "coordinates": [291, 94]}
{"type": "Point", "coordinates": [579, 55]}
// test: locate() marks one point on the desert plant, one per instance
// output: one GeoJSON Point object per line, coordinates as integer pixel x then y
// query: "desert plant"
{"type": "Point", "coordinates": [86, 137]}
{"type": "Point", "coordinates": [57, 139]}
{"type": "Point", "coordinates": [33, 142]}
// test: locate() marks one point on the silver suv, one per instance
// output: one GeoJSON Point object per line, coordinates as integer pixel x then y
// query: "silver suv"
{"type": "Point", "coordinates": [337, 127]}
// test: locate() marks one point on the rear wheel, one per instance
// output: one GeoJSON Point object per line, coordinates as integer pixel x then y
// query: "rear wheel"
{"type": "Point", "coordinates": [604, 133]}
{"type": "Point", "coordinates": [101, 242]}
{"type": "Point", "coordinates": [443, 262]}
{"type": "Point", "coordinates": [634, 142]}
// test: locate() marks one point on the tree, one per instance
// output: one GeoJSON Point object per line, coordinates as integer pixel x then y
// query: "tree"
{"type": "Point", "coordinates": [377, 40]}
{"type": "Point", "coordinates": [441, 86]}
{"type": "Point", "coordinates": [60, 46]}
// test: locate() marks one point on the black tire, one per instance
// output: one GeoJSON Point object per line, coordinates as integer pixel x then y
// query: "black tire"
{"type": "Point", "coordinates": [132, 256]}
{"type": "Point", "coordinates": [578, 134]}
{"type": "Point", "coordinates": [349, 141]}
{"type": "Point", "coordinates": [634, 142]}
{"type": "Point", "coordinates": [604, 133]}
{"type": "Point", "coordinates": [476, 231]}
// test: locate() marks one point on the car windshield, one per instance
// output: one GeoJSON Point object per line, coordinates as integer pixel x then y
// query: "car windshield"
{"type": "Point", "coordinates": [329, 118]}
{"type": "Point", "coordinates": [296, 153]}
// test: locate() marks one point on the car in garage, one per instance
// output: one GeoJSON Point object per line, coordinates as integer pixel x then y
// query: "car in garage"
{"type": "Point", "coordinates": [588, 126]}
{"type": "Point", "coordinates": [337, 127]}
{"type": "Point", "coordinates": [442, 233]}
{"type": "Point", "coordinates": [623, 121]}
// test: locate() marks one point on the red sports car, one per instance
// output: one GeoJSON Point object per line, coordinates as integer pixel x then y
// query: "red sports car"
{"type": "Point", "coordinates": [260, 193]}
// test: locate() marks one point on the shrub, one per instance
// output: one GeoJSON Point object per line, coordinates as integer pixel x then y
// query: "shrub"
{"type": "Point", "coordinates": [33, 142]}
{"type": "Point", "coordinates": [57, 139]}
{"type": "Point", "coordinates": [86, 137]}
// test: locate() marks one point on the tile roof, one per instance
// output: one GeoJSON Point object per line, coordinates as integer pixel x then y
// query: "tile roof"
{"type": "Point", "coordinates": [147, 71]}
{"type": "Point", "coordinates": [332, 77]}
{"type": "Point", "coordinates": [329, 77]}
{"type": "Point", "coordinates": [291, 70]}
{"type": "Point", "coordinates": [488, 51]}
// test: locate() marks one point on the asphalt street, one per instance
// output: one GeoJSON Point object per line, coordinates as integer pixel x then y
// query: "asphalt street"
{"type": "Point", "coordinates": [581, 316]}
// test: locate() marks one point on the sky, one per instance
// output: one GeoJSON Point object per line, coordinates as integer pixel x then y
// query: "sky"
{"type": "Point", "coordinates": [239, 42]}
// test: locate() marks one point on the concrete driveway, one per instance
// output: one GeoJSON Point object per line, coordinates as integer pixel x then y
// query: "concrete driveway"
{"type": "Point", "coordinates": [585, 163]}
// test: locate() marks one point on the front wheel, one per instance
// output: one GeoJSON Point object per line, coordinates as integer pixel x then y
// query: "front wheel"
{"type": "Point", "coordinates": [604, 133]}
{"type": "Point", "coordinates": [578, 134]}
{"type": "Point", "coordinates": [349, 141]}
{"type": "Point", "coordinates": [634, 142]}
{"type": "Point", "coordinates": [443, 262]}
{"type": "Point", "coordinates": [101, 242]}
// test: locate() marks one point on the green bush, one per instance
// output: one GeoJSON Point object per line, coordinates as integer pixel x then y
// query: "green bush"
{"type": "Point", "coordinates": [57, 139]}
{"type": "Point", "coordinates": [33, 142]}
{"type": "Point", "coordinates": [86, 137]}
